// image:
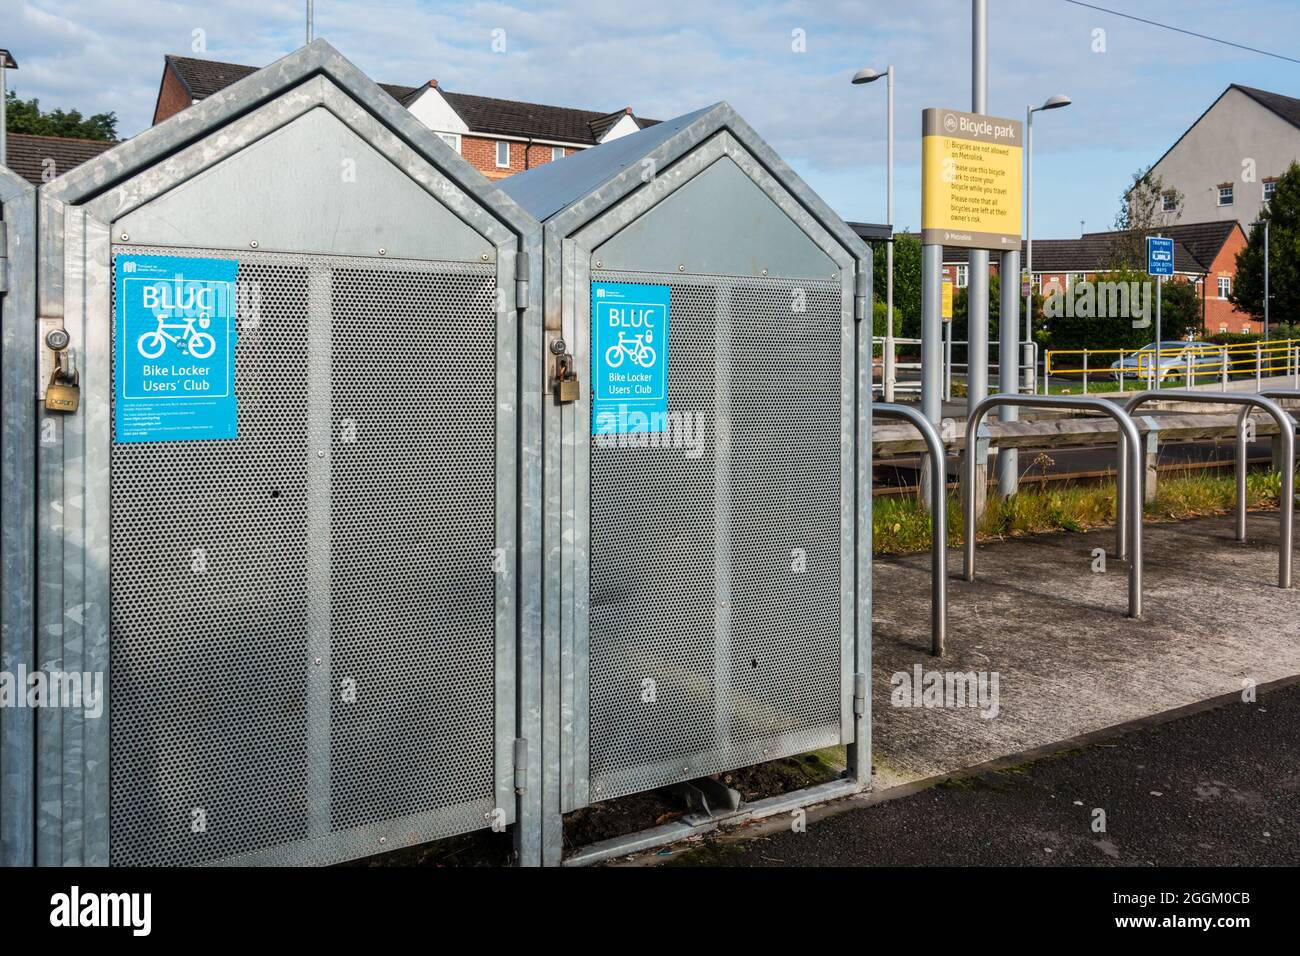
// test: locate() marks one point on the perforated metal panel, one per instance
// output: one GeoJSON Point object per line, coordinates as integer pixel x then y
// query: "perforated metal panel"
{"type": "Point", "coordinates": [303, 620]}
{"type": "Point", "coordinates": [715, 636]}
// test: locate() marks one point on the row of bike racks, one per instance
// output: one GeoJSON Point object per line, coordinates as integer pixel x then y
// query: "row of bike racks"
{"type": "Point", "coordinates": [1129, 483]}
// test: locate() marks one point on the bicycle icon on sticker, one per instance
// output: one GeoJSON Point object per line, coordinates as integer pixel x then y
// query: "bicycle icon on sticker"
{"type": "Point", "coordinates": [637, 348]}
{"type": "Point", "coordinates": [196, 344]}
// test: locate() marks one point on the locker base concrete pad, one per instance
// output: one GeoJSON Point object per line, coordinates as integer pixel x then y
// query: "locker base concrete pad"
{"type": "Point", "coordinates": [1046, 638]}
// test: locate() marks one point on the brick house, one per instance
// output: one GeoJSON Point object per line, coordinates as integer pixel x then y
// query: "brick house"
{"type": "Point", "coordinates": [498, 137]}
{"type": "Point", "coordinates": [1227, 161]}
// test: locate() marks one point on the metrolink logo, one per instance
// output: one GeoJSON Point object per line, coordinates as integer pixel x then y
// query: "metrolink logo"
{"type": "Point", "coordinates": [1102, 300]}
{"type": "Point", "coordinates": [946, 689]}
{"type": "Point", "coordinates": [69, 690]}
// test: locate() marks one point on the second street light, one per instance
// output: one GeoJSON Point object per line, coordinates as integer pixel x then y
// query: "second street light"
{"type": "Point", "coordinates": [1052, 103]}
{"type": "Point", "coordinates": [869, 76]}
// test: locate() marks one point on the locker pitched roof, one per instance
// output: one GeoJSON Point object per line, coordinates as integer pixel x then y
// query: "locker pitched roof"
{"type": "Point", "coordinates": [545, 190]}
{"type": "Point", "coordinates": [223, 107]}
{"type": "Point", "coordinates": [611, 171]}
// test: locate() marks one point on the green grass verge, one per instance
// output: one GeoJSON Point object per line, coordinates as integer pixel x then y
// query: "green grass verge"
{"type": "Point", "coordinates": [901, 524]}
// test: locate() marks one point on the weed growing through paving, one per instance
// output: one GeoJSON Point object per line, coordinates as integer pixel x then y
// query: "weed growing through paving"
{"type": "Point", "coordinates": [901, 525]}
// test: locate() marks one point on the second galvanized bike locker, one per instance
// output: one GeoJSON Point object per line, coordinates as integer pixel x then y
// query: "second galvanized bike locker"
{"type": "Point", "coordinates": [304, 589]}
{"type": "Point", "coordinates": [706, 446]}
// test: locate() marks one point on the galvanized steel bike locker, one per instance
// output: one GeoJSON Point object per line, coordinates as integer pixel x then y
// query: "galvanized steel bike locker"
{"type": "Point", "coordinates": [701, 612]}
{"type": "Point", "coordinates": [17, 488]}
{"type": "Point", "coordinates": [312, 630]}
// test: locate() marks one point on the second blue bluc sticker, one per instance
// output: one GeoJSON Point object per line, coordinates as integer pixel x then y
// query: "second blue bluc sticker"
{"type": "Point", "coordinates": [629, 358]}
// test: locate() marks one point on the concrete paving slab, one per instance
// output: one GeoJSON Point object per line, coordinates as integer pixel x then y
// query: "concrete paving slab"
{"type": "Point", "coordinates": [1066, 660]}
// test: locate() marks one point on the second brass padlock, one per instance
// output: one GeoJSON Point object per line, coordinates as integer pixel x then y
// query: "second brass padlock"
{"type": "Point", "coordinates": [566, 381]}
{"type": "Point", "coordinates": [62, 395]}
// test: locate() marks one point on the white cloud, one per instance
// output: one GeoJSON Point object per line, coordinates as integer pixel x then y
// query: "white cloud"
{"type": "Point", "coordinates": [674, 56]}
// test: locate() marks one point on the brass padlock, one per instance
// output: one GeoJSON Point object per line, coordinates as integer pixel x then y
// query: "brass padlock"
{"type": "Point", "coordinates": [566, 381]}
{"type": "Point", "coordinates": [62, 395]}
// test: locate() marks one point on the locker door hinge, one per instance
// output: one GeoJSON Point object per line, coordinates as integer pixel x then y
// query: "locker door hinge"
{"type": "Point", "coordinates": [859, 695]}
{"type": "Point", "coordinates": [521, 766]}
{"type": "Point", "coordinates": [521, 282]}
{"type": "Point", "coordinates": [860, 291]}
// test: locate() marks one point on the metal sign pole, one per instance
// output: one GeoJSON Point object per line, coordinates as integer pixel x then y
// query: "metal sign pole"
{"type": "Point", "coordinates": [977, 291]}
{"type": "Point", "coordinates": [1265, 277]}
{"type": "Point", "coordinates": [1160, 286]}
{"type": "Point", "coordinates": [889, 365]}
{"type": "Point", "coordinates": [1008, 463]}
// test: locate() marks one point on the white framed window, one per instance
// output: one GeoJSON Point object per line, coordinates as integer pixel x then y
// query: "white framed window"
{"type": "Point", "coordinates": [1223, 326]}
{"type": "Point", "coordinates": [1270, 187]}
{"type": "Point", "coordinates": [1225, 195]}
{"type": "Point", "coordinates": [1245, 328]}
{"type": "Point", "coordinates": [1169, 202]}
{"type": "Point", "coordinates": [963, 276]}
{"type": "Point", "coordinates": [503, 154]}
{"type": "Point", "coordinates": [1074, 278]}
{"type": "Point", "coordinates": [1225, 286]}
{"type": "Point", "coordinates": [451, 139]}
{"type": "Point", "coordinates": [557, 152]}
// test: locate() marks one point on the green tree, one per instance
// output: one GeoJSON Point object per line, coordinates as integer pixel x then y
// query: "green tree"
{"type": "Point", "coordinates": [1145, 207]}
{"type": "Point", "coordinates": [1283, 216]}
{"type": "Point", "coordinates": [26, 116]}
{"type": "Point", "coordinates": [907, 281]}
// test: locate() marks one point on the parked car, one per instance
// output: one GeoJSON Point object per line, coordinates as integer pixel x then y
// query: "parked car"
{"type": "Point", "coordinates": [1172, 362]}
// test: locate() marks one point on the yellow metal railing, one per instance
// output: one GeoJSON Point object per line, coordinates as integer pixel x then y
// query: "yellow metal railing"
{"type": "Point", "coordinates": [1197, 363]}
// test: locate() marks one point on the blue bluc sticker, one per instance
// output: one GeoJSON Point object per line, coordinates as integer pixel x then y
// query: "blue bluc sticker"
{"type": "Point", "coordinates": [629, 358]}
{"type": "Point", "coordinates": [175, 363]}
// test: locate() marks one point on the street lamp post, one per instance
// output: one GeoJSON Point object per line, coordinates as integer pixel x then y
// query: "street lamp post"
{"type": "Point", "coordinates": [1265, 280]}
{"type": "Point", "coordinates": [6, 63]}
{"type": "Point", "coordinates": [868, 76]}
{"type": "Point", "coordinates": [1052, 103]}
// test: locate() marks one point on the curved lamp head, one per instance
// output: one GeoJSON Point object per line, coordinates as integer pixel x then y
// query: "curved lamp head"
{"type": "Point", "coordinates": [1056, 102]}
{"type": "Point", "coordinates": [866, 76]}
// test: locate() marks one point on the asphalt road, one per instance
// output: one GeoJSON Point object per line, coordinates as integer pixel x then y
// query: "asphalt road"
{"type": "Point", "coordinates": [1215, 788]}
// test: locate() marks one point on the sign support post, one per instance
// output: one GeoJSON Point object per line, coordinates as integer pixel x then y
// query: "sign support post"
{"type": "Point", "coordinates": [1160, 263]}
{"type": "Point", "coordinates": [1008, 464]}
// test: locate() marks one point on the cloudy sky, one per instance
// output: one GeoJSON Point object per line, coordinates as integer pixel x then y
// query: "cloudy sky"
{"type": "Point", "coordinates": [783, 65]}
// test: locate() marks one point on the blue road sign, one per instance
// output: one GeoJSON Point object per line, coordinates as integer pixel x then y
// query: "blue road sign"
{"type": "Point", "coordinates": [174, 374]}
{"type": "Point", "coordinates": [629, 358]}
{"type": "Point", "coordinates": [1160, 256]}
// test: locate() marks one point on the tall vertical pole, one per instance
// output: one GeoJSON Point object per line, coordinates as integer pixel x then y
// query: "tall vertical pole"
{"type": "Point", "coordinates": [311, 20]}
{"type": "Point", "coordinates": [977, 291]}
{"type": "Point", "coordinates": [4, 145]}
{"type": "Point", "coordinates": [932, 332]}
{"type": "Point", "coordinates": [1266, 279]}
{"type": "Point", "coordinates": [931, 352]}
{"type": "Point", "coordinates": [1029, 245]}
{"type": "Point", "coordinates": [1160, 288]}
{"type": "Point", "coordinates": [1008, 465]}
{"type": "Point", "coordinates": [889, 248]}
